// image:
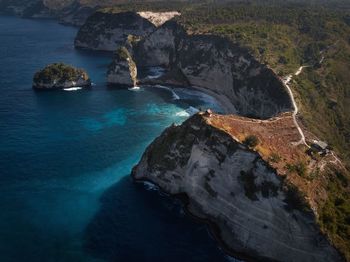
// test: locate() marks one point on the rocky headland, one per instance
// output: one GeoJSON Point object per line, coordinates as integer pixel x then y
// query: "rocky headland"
{"type": "Point", "coordinates": [254, 206]}
{"type": "Point", "coordinates": [60, 76]}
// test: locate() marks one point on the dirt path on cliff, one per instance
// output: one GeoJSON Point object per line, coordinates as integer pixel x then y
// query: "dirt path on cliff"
{"type": "Point", "coordinates": [286, 82]}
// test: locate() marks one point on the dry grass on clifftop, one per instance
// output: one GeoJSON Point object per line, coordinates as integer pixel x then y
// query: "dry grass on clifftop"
{"type": "Point", "coordinates": [315, 177]}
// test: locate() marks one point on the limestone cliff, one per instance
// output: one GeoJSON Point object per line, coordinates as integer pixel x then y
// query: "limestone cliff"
{"type": "Point", "coordinates": [217, 65]}
{"type": "Point", "coordinates": [107, 31]}
{"type": "Point", "coordinates": [252, 211]}
{"type": "Point", "coordinates": [123, 70]}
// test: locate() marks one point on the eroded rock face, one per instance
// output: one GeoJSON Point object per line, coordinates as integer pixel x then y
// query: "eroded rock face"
{"type": "Point", "coordinates": [76, 14]}
{"type": "Point", "coordinates": [59, 76]}
{"type": "Point", "coordinates": [216, 64]}
{"type": "Point", "coordinates": [123, 70]}
{"type": "Point", "coordinates": [108, 31]}
{"type": "Point", "coordinates": [160, 47]}
{"type": "Point", "coordinates": [231, 186]}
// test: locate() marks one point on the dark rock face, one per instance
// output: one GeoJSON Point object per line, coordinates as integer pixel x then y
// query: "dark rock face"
{"type": "Point", "coordinates": [216, 64]}
{"type": "Point", "coordinates": [107, 31]}
{"type": "Point", "coordinates": [232, 187]}
{"type": "Point", "coordinates": [160, 47]}
{"type": "Point", "coordinates": [76, 14]}
{"type": "Point", "coordinates": [59, 76]}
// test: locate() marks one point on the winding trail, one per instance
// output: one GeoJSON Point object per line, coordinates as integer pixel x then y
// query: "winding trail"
{"type": "Point", "coordinates": [286, 82]}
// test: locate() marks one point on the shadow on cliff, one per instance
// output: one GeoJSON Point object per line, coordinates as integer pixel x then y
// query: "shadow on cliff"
{"type": "Point", "coordinates": [134, 224]}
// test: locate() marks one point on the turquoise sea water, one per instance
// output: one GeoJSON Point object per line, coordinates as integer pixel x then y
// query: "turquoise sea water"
{"type": "Point", "coordinates": [65, 160]}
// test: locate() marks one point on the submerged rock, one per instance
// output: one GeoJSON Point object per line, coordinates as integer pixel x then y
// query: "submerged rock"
{"type": "Point", "coordinates": [59, 76]}
{"type": "Point", "coordinates": [123, 70]}
{"type": "Point", "coordinates": [106, 30]}
{"type": "Point", "coordinates": [251, 210]}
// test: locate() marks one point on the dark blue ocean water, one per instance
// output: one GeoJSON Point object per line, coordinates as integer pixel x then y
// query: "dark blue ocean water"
{"type": "Point", "coordinates": [65, 160]}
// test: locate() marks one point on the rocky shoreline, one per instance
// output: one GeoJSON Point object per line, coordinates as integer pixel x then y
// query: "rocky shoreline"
{"type": "Point", "coordinates": [187, 159]}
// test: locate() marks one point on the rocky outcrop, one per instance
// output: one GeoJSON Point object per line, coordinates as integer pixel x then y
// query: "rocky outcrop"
{"type": "Point", "coordinates": [106, 30]}
{"type": "Point", "coordinates": [216, 64]}
{"type": "Point", "coordinates": [60, 76]}
{"type": "Point", "coordinates": [123, 70]}
{"type": "Point", "coordinates": [253, 213]}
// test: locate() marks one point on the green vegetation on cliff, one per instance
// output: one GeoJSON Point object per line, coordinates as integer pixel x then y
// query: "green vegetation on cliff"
{"type": "Point", "coordinates": [59, 72]}
{"type": "Point", "coordinates": [285, 36]}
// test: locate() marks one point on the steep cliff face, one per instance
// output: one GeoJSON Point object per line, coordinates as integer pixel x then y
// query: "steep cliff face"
{"type": "Point", "coordinates": [232, 187]}
{"type": "Point", "coordinates": [216, 64]}
{"type": "Point", "coordinates": [76, 14]}
{"type": "Point", "coordinates": [123, 70]}
{"type": "Point", "coordinates": [160, 47]}
{"type": "Point", "coordinates": [107, 31]}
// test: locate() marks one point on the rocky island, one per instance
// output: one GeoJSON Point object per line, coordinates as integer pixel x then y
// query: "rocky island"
{"type": "Point", "coordinates": [60, 76]}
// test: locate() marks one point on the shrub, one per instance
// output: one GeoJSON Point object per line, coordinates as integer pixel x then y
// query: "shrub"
{"type": "Point", "coordinates": [251, 141]}
{"type": "Point", "coordinates": [275, 158]}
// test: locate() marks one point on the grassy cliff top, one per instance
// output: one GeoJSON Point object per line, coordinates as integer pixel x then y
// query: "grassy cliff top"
{"type": "Point", "coordinates": [319, 182]}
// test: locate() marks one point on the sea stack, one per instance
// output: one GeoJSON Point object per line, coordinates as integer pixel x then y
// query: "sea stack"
{"type": "Point", "coordinates": [60, 76]}
{"type": "Point", "coordinates": [123, 70]}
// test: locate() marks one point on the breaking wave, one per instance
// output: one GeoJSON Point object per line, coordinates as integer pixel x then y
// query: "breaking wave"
{"type": "Point", "coordinates": [175, 96]}
{"type": "Point", "coordinates": [72, 89]}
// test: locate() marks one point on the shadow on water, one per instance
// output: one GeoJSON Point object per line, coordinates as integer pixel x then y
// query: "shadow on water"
{"type": "Point", "coordinates": [134, 224]}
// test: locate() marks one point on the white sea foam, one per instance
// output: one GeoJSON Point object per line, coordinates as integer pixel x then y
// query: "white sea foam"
{"type": "Point", "coordinates": [72, 89]}
{"type": "Point", "coordinates": [183, 113]}
{"type": "Point", "coordinates": [149, 186]}
{"type": "Point", "coordinates": [188, 112]}
{"type": "Point", "coordinates": [175, 96]}
{"type": "Point", "coordinates": [208, 101]}
{"type": "Point", "coordinates": [135, 88]}
{"type": "Point", "coordinates": [192, 110]}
